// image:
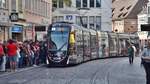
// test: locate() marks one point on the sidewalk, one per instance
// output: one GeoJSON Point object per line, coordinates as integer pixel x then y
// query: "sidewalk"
{"type": "Point", "coordinates": [7, 72]}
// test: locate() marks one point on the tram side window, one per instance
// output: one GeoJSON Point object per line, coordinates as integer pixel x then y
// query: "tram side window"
{"type": "Point", "coordinates": [79, 42]}
{"type": "Point", "coordinates": [112, 44]}
{"type": "Point", "coordinates": [93, 43]}
{"type": "Point", "coordinates": [86, 43]}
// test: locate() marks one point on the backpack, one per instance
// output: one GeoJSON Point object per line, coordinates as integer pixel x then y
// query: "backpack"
{"type": "Point", "coordinates": [1, 51]}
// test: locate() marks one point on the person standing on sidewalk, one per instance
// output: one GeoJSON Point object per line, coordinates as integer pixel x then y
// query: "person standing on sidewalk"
{"type": "Point", "coordinates": [3, 66]}
{"type": "Point", "coordinates": [146, 62]}
{"type": "Point", "coordinates": [1, 54]}
{"type": "Point", "coordinates": [12, 54]}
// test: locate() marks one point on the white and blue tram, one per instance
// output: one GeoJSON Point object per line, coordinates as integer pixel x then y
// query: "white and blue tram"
{"type": "Point", "coordinates": [72, 44]}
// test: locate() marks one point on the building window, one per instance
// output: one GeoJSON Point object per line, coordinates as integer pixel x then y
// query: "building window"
{"type": "Point", "coordinates": [122, 8]}
{"type": "Point", "coordinates": [58, 18]}
{"type": "Point", "coordinates": [129, 7]}
{"type": "Point", "coordinates": [60, 3]}
{"type": "Point", "coordinates": [78, 3]}
{"type": "Point", "coordinates": [36, 6]}
{"type": "Point", "coordinates": [32, 6]}
{"type": "Point", "coordinates": [149, 20]}
{"type": "Point", "coordinates": [98, 22]}
{"type": "Point", "coordinates": [54, 19]}
{"type": "Point", "coordinates": [84, 3]}
{"type": "Point", "coordinates": [98, 3]}
{"type": "Point", "coordinates": [2, 3]}
{"type": "Point", "coordinates": [29, 4]}
{"type": "Point", "coordinates": [20, 6]}
{"type": "Point", "coordinates": [91, 22]}
{"type": "Point", "coordinates": [148, 9]}
{"type": "Point", "coordinates": [39, 9]}
{"type": "Point", "coordinates": [13, 5]}
{"type": "Point", "coordinates": [78, 20]}
{"type": "Point", "coordinates": [85, 21]}
{"type": "Point", "coordinates": [92, 3]}
{"type": "Point", "coordinates": [55, 3]}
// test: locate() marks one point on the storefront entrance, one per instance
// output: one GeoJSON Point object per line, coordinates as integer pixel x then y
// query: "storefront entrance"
{"type": "Point", "coordinates": [17, 36]}
{"type": "Point", "coordinates": [17, 32]}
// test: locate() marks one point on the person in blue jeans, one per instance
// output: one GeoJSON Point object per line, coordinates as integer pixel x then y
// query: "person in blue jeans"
{"type": "Point", "coordinates": [146, 61]}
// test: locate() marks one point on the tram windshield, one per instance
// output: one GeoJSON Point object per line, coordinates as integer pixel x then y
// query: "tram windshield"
{"type": "Point", "coordinates": [59, 38]}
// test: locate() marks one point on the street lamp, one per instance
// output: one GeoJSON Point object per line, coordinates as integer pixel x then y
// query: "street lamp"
{"type": "Point", "coordinates": [81, 20]}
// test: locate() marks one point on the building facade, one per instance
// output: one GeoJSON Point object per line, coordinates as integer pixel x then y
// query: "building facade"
{"type": "Point", "coordinates": [93, 14]}
{"type": "Point", "coordinates": [33, 15]}
{"type": "Point", "coordinates": [31, 19]}
{"type": "Point", "coordinates": [124, 13]}
{"type": "Point", "coordinates": [4, 19]}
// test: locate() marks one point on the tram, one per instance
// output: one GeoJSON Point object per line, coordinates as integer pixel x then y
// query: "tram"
{"type": "Point", "coordinates": [69, 43]}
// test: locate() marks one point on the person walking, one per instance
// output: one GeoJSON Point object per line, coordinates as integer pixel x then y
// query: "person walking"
{"type": "Point", "coordinates": [130, 53]}
{"type": "Point", "coordinates": [145, 57]}
{"type": "Point", "coordinates": [12, 54]}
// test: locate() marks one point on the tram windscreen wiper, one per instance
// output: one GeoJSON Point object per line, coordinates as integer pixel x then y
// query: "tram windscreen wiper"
{"type": "Point", "coordinates": [62, 46]}
{"type": "Point", "coordinates": [59, 48]}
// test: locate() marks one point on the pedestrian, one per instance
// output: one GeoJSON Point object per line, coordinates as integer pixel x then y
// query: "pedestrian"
{"type": "Point", "coordinates": [3, 66]}
{"type": "Point", "coordinates": [146, 62]}
{"type": "Point", "coordinates": [12, 54]}
{"type": "Point", "coordinates": [130, 53]}
{"type": "Point", "coordinates": [1, 54]}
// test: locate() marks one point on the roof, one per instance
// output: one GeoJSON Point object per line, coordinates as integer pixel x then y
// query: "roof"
{"type": "Point", "coordinates": [127, 8]}
{"type": "Point", "coordinates": [144, 11]}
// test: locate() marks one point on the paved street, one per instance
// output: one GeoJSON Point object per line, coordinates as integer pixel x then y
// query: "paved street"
{"type": "Point", "coordinates": [103, 71]}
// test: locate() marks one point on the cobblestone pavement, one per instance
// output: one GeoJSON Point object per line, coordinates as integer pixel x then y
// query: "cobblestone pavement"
{"type": "Point", "coordinates": [103, 71]}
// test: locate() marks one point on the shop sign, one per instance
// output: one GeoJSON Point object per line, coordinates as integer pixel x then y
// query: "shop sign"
{"type": "Point", "coordinates": [17, 29]}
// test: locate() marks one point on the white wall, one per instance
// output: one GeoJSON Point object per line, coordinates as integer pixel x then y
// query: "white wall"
{"type": "Point", "coordinates": [142, 19]}
{"type": "Point", "coordinates": [106, 15]}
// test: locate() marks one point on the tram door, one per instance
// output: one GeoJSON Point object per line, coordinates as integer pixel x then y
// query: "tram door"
{"type": "Point", "coordinates": [86, 46]}
{"type": "Point", "coordinates": [79, 45]}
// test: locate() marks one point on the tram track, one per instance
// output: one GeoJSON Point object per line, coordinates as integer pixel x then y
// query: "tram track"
{"type": "Point", "coordinates": [95, 74]}
{"type": "Point", "coordinates": [98, 72]}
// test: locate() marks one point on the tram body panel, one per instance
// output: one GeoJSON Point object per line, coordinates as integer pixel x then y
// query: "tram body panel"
{"type": "Point", "coordinates": [112, 44]}
{"type": "Point", "coordinates": [93, 46]}
{"type": "Point", "coordinates": [79, 45]}
{"type": "Point", "coordinates": [103, 44]}
{"type": "Point", "coordinates": [86, 46]}
{"type": "Point", "coordinates": [123, 45]}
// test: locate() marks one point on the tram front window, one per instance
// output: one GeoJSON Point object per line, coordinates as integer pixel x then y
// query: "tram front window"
{"type": "Point", "coordinates": [59, 43]}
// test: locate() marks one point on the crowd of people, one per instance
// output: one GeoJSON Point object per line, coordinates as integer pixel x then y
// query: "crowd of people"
{"type": "Point", "coordinates": [16, 54]}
